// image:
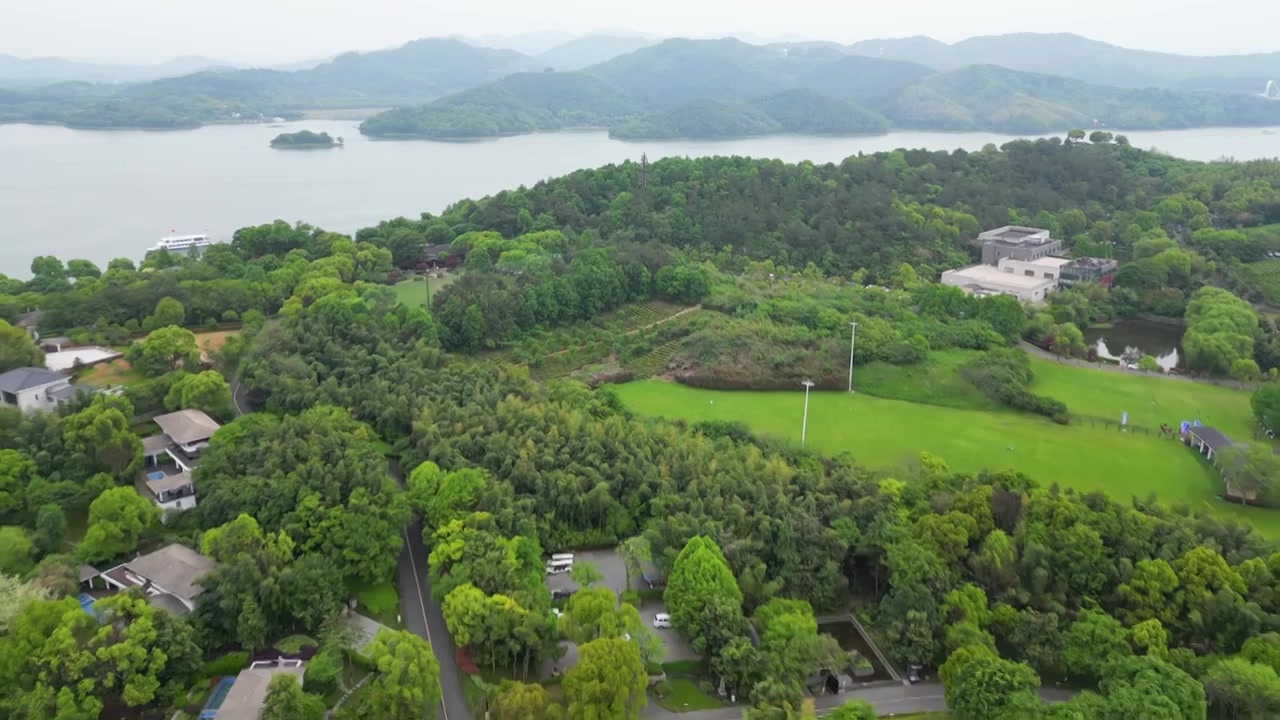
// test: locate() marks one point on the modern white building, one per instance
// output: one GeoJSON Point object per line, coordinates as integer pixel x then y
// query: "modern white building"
{"type": "Point", "coordinates": [1045, 268]}
{"type": "Point", "coordinates": [36, 389]}
{"type": "Point", "coordinates": [988, 280]}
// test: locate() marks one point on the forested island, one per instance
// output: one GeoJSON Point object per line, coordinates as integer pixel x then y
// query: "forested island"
{"type": "Point", "coordinates": [304, 139]}
{"type": "Point", "coordinates": [507, 404]}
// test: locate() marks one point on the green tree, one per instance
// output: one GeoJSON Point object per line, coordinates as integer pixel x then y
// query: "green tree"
{"type": "Point", "coordinates": [16, 551]}
{"type": "Point", "coordinates": [168, 312]}
{"type": "Point", "coordinates": [1265, 402]}
{"type": "Point", "coordinates": [585, 574]}
{"type": "Point", "coordinates": [609, 681]}
{"type": "Point", "coordinates": [406, 683]}
{"type": "Point", "coordinates": [1148, 364]}
{"type": "Point", "coordinates": [207, 391]}
{"type": "Point", "coordinates": [1149, 593]}
{"type": "Point", "coordinates": [1251, 471]}
{"type": "Point", "coordinates": [1092, 642]}
{"type": "Point", "coordinates": [1244, 370]}
{"type": "Point", "coordinates": [118, 519]}
{"type": "Point", "coordinates": [521, 701]}
{"type": "Point", "coordinates": [16, 473]}
{"type": "Point", "coordinates": [853, 710]}
{"type": "Point", "coordinates": [1098, 137]}
{"type": "Point", "coordinates": [285, 700]}
{"type": "Point", "coordinates": [1067, 340]}
{"type": "Point", "coordinates": [701, 579]}
{"type": "Point", "coordinates": [51, 529]}
{"type": "Point", "coordinates": [1075, 134]}
{"type": "Point", "coordinates": [17, 349]}
{"type": "Point", "coordinates": [1240, 689]}
{"type": "Point", "coordinates": [82, 269]}
{"type": "Point", "coordinates": [984, 685]}
{"type": "Point", "coordinates": [164, 350]}
{"type": "Point", "coordinates": [97, 439]}
{"type": "Point", "coordinates": [441, 498]}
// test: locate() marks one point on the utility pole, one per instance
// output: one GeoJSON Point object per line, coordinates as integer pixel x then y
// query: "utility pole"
{"type": "Point", "coordinates": [853, 329]}
{"type": "Point", "coordinates": [804, 424]}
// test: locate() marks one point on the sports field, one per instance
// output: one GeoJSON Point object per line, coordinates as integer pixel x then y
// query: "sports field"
{"type": "Point", "coordinates": [882, 432]}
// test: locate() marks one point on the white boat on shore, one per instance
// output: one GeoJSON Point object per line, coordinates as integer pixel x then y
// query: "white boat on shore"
{"type": "Point", "coordinates": [182, 243]}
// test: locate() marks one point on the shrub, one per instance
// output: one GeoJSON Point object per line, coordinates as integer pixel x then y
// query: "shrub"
{"type": "Point", "coordinates": [1003, 376]}
{"type": "Point", "coordinates": [630, 597]}
{"type": "Point", "coordinates": [230, 664]}
{"type": "Point", "coordinates": [321, 675]}
{"type": "Point", "coordinates": [662, 689]}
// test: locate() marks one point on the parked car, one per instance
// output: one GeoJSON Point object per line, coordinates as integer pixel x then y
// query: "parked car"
{"type": "Point", "coordinates": [913, 673]}
{"type": "Point", "coordinates": [662, 620]}
{"type": "Point", "coordinates": [561, 594]}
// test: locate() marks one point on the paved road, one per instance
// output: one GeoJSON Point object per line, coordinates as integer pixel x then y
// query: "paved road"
{"type": "Point", "coordinates": [240, 397]}
{"type": "Point", "coordinates": [421, 614]}
{"type": "Point", "coordinates": [886, 699]}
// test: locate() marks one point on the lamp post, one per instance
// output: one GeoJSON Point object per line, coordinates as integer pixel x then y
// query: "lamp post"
{"type": "Point", "coordinates": [853, 329]}
{"type": "Point", "coordinates": [804, 424]}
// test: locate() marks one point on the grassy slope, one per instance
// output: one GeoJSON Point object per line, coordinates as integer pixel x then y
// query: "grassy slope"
{"type": "Point", "coordinates": [1148, 400]}
{"type": "Point", "coordinates": [886, 432]}
{"type": "Point", "coordinates": [933, 382]}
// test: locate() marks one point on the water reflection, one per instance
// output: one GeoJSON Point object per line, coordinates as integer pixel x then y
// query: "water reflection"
{"type": "Point", "coordinates": [1163, 342]}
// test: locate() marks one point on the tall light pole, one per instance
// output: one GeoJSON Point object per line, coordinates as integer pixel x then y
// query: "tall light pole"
{"type": "Point", "coordinates": [804, 424]}
{"type": "Point", "coordinates": [853, 329]}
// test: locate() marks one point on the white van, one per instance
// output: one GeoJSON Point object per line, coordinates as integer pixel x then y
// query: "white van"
{"type": "Point", "coordinates": [557, 567]}
{"type": "Point", "coordinates": [662, 620]}
{"type": "Point", "coordinates": [562, 556]}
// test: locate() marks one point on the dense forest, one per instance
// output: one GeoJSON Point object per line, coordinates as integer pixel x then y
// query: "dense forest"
{"type": "Point", "coordinates": [998, 582]}
{"type": "Point", "coordinates": [793, 111]}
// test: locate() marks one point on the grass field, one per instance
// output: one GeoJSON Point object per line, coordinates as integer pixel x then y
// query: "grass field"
{"type": "Point", "coordinates": [413, 291]}
{"type": "Point", "coordinates": [686, 697]}
{"type": "Point", "coordinates": [933, 382]}
{"type": "Point", "coordinates": [380, 602]}
{"type": "Point", "coordinates": [1149, 400]}
{"type": "Point", "coordinates": [1265, 276]}
{"type": "Point", "coordinates": [882, 432]}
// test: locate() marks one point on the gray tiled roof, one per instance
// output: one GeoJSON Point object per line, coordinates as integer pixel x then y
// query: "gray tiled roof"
{"type": "Point", "coordinates": [175, 568]}
{"type": "Point", "coordinates": [20, 379]}
{"type": "Point", "coordinates": [187, 426]}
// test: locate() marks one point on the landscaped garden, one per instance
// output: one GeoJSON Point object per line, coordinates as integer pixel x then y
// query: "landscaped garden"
{"type": "Point", "coordinates": [417, 290]}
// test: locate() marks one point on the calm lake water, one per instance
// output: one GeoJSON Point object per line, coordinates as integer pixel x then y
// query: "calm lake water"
{"type": "Point", "coordinates": [1163, 342]}
{"type": "Point", "coordinates": [99, 195]}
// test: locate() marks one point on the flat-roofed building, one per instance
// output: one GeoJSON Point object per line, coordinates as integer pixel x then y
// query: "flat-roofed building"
{"type": "Point", "coordinates": [1017, 242]}
{"type": "Point", "coordinates": [987, 280]}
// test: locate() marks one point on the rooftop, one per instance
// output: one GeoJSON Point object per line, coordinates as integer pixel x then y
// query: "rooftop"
{"type": "Point", "coordinates": [69, 391]}
{"type": "Point", "coordinates": [159, 481]}
{"type": "Point", "coordinates": [1016, 235]}
{"type": "Point", "coordinates": [1093, 262]}
{"type": "Point", "coordinates": [988, 276]}
{"type": "Point", "coordinates": [187, 426]}
{"type": "Point", "coordinates": [247, 695]}
{"type": "Point", "coordinates": [27, 378]}
{"type": "Point", "coordinates": [176, 568]}
{"type": "Point", "coordinates": [1212, 437]}
{"type": "Point", "coordinates": [155, 445]}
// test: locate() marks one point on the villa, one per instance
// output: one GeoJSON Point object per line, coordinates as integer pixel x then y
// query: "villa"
{"type": "Point", "coordinates": [36, 389]}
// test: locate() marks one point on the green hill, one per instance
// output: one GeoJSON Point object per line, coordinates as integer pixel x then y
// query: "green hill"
{"type": "Point", "coordinates": [524, 102]}
{"type": "Point", "coordinates": [590, 50]}
{"type": "Point", "coordinates": [675, 72]}
{"type": "Point", "coordinates": [793, 111]}
{"type": "Point", "coordinates": [860, 79]}
{"type": "Point", "coordinates": [811, 112]}
{"type": "Point", "coordinates": [1075, 57]}
{"type": "Point", "coordinates": [416, 72]}
{"type": "Point", "coordinates": [700, 119]}
{"type": "Point", "coordinates": [1001, 100]}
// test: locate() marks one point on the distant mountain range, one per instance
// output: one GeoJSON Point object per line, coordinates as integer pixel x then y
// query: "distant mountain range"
{"type": "Point", "coordinates": [447, 87]}
{"type": "Point", "coordinates": [32, 72]}
{"type": "Point", "coordinates": [1080, 58]}
{"type": "Point", "coordinates": [727, 88]}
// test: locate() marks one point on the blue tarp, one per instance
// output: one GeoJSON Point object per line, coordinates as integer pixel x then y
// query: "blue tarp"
{"type": "Point", "coordinates": [216, 697]}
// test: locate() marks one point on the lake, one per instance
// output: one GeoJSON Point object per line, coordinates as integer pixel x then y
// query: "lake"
{"type": "Point", "coordinates": [105, 194]}
{"type": "Point", "coordinates": [1163, 342]}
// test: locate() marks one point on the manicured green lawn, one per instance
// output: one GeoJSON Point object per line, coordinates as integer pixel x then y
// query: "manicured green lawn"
{"type": "Point", "coordinates": [936, 381]}
{"type": "Point", "coordinates": [881, 432]}
{"type": "Point", "coordinates": [1149, 400]}
{"type": "Point", "coordinates": [686, 697]}
{"type": "Point", "coordinates": [380, 602]}
{"type": "Point", "coordinates": [413, 291]}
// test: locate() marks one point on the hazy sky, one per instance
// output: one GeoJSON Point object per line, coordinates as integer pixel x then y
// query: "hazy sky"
{"type": "Point", "coordinates": [284, 30]}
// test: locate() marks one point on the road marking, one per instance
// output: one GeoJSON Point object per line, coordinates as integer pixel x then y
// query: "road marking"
{"type": "Point", "coordinates": [422, 607]}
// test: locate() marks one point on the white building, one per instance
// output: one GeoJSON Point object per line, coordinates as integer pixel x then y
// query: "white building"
{"type": "Point", "coordinates": [35, 389]}
{"type": "Point", "coordinates": [1045, 268]}
{"type": "Point", "coordinates": [988, 280]}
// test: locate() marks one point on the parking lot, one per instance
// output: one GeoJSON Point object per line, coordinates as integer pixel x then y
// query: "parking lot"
{"type": "Point", "coordinates": [614, 572]}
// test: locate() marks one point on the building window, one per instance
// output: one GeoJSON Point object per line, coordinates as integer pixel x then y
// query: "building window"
{"type": "Point", "coordinates": [1048, 276]}
{"type": "Point", "coordinates": [1029, 273]}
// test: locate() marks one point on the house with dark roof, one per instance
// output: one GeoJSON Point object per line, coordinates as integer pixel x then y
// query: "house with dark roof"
{"type": "Point", "coordinates": [36, 389]}
{"type": "Point", "coordinates": [1208, 441]}
{"type": "Point", "coordinates": [247, 695]}
{"type": "Point", "coordinates": [169, 577]}
{"type": "Point", "coordinates": [183, 435]}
